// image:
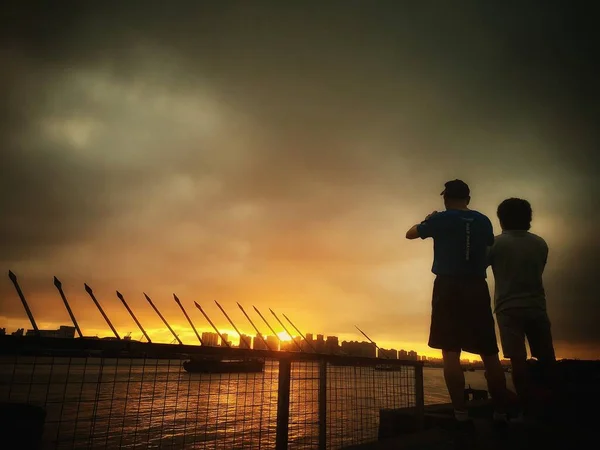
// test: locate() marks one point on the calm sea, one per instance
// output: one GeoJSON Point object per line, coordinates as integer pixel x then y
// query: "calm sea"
{"type": "Point", "coordinates": [93, 403]}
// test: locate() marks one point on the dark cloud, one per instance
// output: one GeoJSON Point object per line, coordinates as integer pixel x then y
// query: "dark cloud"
{"type": "Point", "coordinates": [277, 152]}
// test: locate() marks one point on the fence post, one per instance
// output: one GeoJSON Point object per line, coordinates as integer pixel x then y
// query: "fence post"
{"type": "Point", "coordinates": [419, 397]}
{"type": "Point", "coordinates": [322, 404]}
{"type": "Point", "coordinates": [283, 404]}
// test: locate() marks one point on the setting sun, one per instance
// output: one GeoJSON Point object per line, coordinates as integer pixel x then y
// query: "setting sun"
{"type": "Point", "coordinates": [284, 336]}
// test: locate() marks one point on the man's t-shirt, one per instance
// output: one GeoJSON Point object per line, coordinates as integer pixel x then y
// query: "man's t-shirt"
{"type": "Point", "coordinates": [518, 259]}
{"type": "Point", "coordinates": [460, 241]}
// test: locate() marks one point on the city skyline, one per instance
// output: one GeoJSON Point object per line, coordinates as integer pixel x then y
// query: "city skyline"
{"type": "Point", "coordinates": [321, 343]}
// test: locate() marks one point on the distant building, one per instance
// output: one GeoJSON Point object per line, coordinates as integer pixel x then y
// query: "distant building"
{"type": "Point", "coordinates": [388, 353]}
{"type": "Point", "coordinates": [287, 346]}
{"type": "Point", "coordinates": [225, 341]}
{"type": "Point", "coordinates": [299, 344]}
{"type": "Point", "coordinates": [332, 344]}
{"type": "Point", "coordinates": [355, 348]}
{"type": "Point", "coordinates": [210, 339]}
{"type": "Point", "coordinates": [2, 331]}
{"type": "Point", "coordinates": [403, 354]}
{"type": "Point", "coordinates": [309, 345]}
{"type": "Point", "coordinates": [412, 355]}
{"type": "Point", "coordinates": [259, 343]}
{"type": "Point", "coordinates": [423, 358]}
{"type": "Point", "coordinates": [320, 344]}
{"type": "Point", "coordinates": [64, 332]}
{"type": "Point", "coordinates": [273, 342]}
{"type": "Point", "coordinates": [245, 341]}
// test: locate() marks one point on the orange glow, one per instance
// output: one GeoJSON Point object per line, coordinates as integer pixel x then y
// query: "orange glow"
{"type": "Point", "coordinates": [284, 336]}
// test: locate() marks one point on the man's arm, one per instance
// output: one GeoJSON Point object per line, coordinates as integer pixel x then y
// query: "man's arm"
{"type": "Point", "coordinates": [425, 227]}
{"type": "Point", "coordinates": [413, 233]}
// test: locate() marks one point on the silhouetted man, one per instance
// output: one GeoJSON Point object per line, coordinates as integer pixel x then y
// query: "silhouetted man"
{"type": "Point", "coordinates": [518, 259]}
{"type": "Point", "coordinates": [461, 317]}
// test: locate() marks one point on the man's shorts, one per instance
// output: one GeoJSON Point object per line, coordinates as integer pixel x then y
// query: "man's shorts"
{"type": "Point", "coordinates": [461, 316]}
{"type": "Point", "coordinates": [516, 324]}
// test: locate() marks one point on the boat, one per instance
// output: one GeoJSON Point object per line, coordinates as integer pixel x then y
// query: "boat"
{"type": "Point", "coordinates": [205, 365]}
{"type": "Point", "coordinates": [389, 367]}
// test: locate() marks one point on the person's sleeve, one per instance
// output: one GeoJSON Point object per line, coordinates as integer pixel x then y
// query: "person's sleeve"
{"type": "Point", "coordinates": [546, 251]}
{"type": "Point", "coordinates": [429, 227]}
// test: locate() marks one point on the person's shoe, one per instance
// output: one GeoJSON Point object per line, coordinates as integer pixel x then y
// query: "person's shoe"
{"type": "Point", "coordinates": [500, 424]}
{"type": "Point", "coordinates": [518, 419]}
{"type": "Point", "coordinates": [465, 435]}
{"type": "Point", "coordinates": [465, 426]}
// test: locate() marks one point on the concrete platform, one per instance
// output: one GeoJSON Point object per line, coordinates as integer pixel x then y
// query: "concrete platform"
{"type": "Point", "coordinates": [517, 437]}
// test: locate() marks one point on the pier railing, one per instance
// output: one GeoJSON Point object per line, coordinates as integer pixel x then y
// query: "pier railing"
{"type": "Point", "coordinates": [94, 393]}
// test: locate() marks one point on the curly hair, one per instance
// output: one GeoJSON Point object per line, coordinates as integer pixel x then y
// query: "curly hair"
{"type": "Point", "coordinates": [515, 214]}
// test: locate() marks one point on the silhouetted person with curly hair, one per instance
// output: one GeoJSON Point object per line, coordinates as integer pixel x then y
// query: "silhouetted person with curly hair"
{"type": "Point", "coordinates": [518, 258]}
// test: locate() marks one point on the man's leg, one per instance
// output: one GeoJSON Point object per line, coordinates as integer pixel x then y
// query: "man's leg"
{"type": "Point", "coordinates": [548, 387]}
{"type": "Point", "coordinates": [455, 380]}
{"type": "Point", "coordinates": [512, 336]}
{"type": "Point", "coordinates": [520, 377]}
{"type": "Point", "coordinates": [496, 381]}
{"type": "Point", "coordinates": [539, 335]}
{"type": "Point", "coordinates": [445, 334]}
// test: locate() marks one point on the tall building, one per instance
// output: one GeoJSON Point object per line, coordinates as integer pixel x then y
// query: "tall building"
{"type": "Point", "coordinates": [299, 343]}
{"type": "Point", "coordinates": [320, 344]}
{"type": "Point", "coordinates": [403, 354]}
{"type": "Point", "coordinates": [309, 345]}
{"type": "Point", "coordinates": [225, 340]}
{"type": "Point", "coordinates": [388, 353]}
{"type": "Point", "coordinates": [332, 344]}
{"type": "Point", "coordinates": [259, 343]}
{"type": "Point", "coordinates": [245, 341]}
{"type": "Point", "coordinates": [210, 339]}
{"type": "Point", "coordinates": [412, 355]}
{"type": "Point", "coordinates": [273, 343]}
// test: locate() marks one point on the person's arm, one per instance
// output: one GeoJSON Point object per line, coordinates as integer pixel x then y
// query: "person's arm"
{"type": "Point", "coordinates": [422, 230]}
{"type": "Point", "coordinates": [412, 233]}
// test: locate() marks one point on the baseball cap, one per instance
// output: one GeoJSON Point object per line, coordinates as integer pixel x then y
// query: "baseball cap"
{"type": "Point", "coordinates": [456, 189]}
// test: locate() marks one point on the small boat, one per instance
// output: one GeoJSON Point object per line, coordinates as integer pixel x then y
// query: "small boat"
{"type": "Point", "coordinates": [224, 366]}
{"type": "Point", "coordinates": [389, 367]}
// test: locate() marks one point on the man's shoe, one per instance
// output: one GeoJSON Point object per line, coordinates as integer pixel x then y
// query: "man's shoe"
{"type": "Point", "coordinates": [465, 435]}
{"type": "Point", "coordinates": [464, 426]}
{"type": "Point", "coordinates": [499, 423]}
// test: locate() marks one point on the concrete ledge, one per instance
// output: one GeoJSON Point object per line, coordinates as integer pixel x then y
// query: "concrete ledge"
{"type": "Point", "coordinates": [21, 425]}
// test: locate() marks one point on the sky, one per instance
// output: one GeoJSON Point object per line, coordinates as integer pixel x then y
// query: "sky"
{"type": "Point", "coordinates": [275, 153]}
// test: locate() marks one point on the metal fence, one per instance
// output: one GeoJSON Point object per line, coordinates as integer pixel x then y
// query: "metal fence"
{"type": "Point", "coordinates": [97, 394]}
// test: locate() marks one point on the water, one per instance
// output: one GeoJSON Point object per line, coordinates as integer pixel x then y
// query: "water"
{"type": "Point", "coordinates": [128, 403]}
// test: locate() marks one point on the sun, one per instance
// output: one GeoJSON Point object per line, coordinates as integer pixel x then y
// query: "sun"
{"type": "Point", "coordinates": [284, 336]}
